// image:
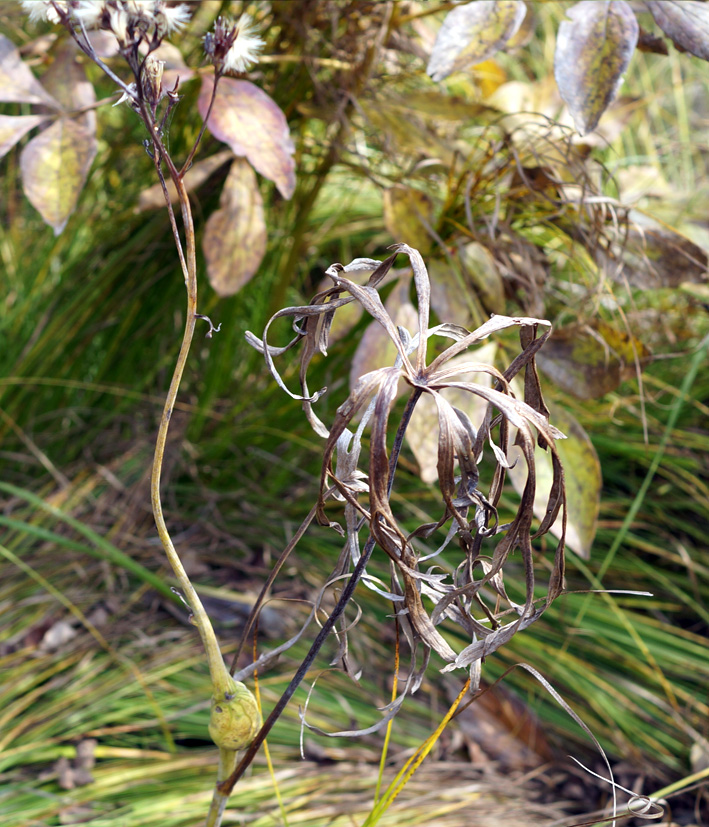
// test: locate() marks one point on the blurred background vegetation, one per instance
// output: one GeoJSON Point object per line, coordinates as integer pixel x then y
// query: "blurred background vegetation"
{"type": "Point", "coordinates": [92, 648]}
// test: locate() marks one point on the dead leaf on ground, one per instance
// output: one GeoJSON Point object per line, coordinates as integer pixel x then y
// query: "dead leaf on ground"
{"type": "Point", "coordinates": [473, 33]}
{"type": "Point", "coordinates": [254, 126]}
{"type": "Point", "coordinates": [593, 51]}
{"type": "Point", "coordinates": [234, 240]}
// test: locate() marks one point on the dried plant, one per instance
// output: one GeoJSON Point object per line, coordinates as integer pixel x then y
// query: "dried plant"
{"type": "Point", "coordinates": [473, 595]}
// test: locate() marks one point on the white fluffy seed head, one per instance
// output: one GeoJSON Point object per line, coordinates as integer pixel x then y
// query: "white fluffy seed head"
{"type": "Point", "coordinates": [246, 48]}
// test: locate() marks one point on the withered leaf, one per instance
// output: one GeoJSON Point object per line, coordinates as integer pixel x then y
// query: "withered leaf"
{"type": "Point", "coordinates": [375, 348]}
{"type": "Point", "coordinates": [56, 163]}
{"type": "Point", "coordinates": [66, 80]}
{"type": "Point", "coordinates": [405, 211]}
{"type": "Point", "coordinates": [13, 128]}
{"type": "Point", "coordinates": [422, 433]}
{"type": "Point", "coordinates": [472, 33]}
{"type": "Point", "coordinates": [582, 472]}
{"type": "Point", "coordinates": [593, 50]}
{"type": "Point", "coordinates": [153, 198]}
{"type": "Point", "coordinates": [54, 166]}
{"type": "Point", "coordinates": [17, 83]}
{"type": "Point", "coordinates": [686, 23]}
{"type": "Point", "coordinates": [248, 121]}
{"type": "Point", "coordinates": [589, 361]}
{"type": "Point", "coordinates": [235, 236]}
{"type": "Point", "coordinates": [659, 256]}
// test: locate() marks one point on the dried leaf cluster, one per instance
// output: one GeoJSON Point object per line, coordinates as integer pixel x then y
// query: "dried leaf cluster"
{"type": "Point", "coordinates": [466, 585]}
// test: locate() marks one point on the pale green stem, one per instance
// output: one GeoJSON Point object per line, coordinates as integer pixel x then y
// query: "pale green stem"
{"type": "Point", "coordinates": [217, 669]}
{"type": "Point", "coordinates": [227, 763]}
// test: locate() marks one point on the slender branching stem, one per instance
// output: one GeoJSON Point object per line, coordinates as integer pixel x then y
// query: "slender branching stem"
{"type": "Point", "coordinates": [205, 120]}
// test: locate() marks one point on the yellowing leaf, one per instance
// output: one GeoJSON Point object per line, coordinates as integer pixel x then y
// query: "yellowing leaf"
{"type": "Point", "coordinates": [473, 33]}
{"type": "Point", "coordinates": [54, 166]}
{"type": "Point", "coordinates": [422, 433]}
{"type": "Point", "coordinates": [56, 163]}
{"type": "Point", "coordinates": [235, 236]}
{"type": "Point", "coordinates": [253, 126]}
{"type": "Point", "coordinates": [589, 361]}
{"type": "Point", "coordinates": [687, 23]}
{"type": "Point", "coordinates": [12, 128]}
{"type": "Point", "coordinates": [582, 472]}
{"type": "Point", "coordinates": [17, 83]}
{"type": "Point", "coordinates": [489, 76]}
{"type": "Point", "coordinates": [593, 50]}
{"type": "Point", "coordinates": [405, 211]}
{"type": "Point", "coordinates": [196, 175]}
{"type": "Point", "coordinates": [375, 348]}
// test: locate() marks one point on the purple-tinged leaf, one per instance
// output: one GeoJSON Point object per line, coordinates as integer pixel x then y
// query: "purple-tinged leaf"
{"type": "Point", "coordinates": [66, 80]}
{"type": "Point", "coordinates": [473, 33]}
{"type": "Point", "coordinates": [235, 236]}
{"type": "Point", "coordinates": [593, 50]}
{"type": "Point", "coordinates": [17, 83]}
{"type": "Point", "coordinates": [12, 128]}
{"type": "Point", "coordinates": [686, 23]}
{"type": "Point", "coordinates": [250, 122]}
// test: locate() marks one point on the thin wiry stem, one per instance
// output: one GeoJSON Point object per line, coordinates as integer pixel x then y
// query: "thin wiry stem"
{"type": "Point", "coordinates": [227, 786]}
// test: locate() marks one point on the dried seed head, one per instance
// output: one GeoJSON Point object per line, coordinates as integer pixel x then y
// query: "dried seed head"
{"type": "Point", "coordinates": [44, 9]}
{"type": "Point", "coordinates": [233, 48]}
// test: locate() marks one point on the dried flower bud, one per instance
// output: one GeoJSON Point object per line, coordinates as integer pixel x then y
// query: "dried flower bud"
{"type": "Point", "coordinates": [152, 79]}
{"type": "Point", "coordinates": [234, 719]}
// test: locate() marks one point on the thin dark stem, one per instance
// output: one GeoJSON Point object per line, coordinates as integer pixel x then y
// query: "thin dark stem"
{"type": "Point", "coordinates": [188, 162]}
{"type": "Point", "coordinates": [227, 786]}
